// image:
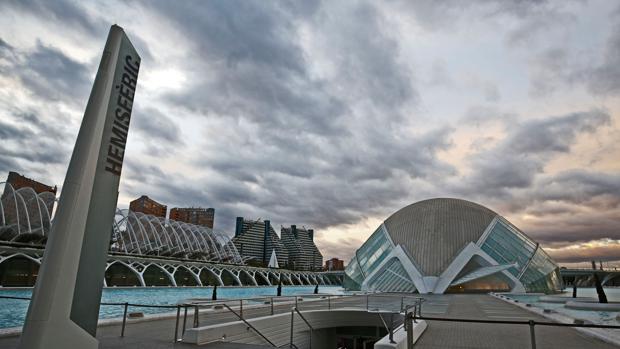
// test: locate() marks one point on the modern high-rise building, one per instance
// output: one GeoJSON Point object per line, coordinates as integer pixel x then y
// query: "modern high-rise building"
{"type": "Point", "coordinates": [147, 205]}
{"type": "Point", "coordinates": [18, 181]}
{"type": "Point", "coordinates": [194, 215]}
{"type": "Point", "coordinates": [302, 252]}
{"type": "Point", "coordinates": [256, 241]}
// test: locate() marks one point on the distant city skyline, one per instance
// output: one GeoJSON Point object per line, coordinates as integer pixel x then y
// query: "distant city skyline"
{"type": "Point", "coordinates": [337, 114]}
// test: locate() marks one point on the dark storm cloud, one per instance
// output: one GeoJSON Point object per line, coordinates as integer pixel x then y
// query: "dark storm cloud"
{"type": "Point", "coordinates": [39, 136]}
{"type": "Point", "coordinates": [10, 132]}
{"type": "Point", "coordinates": [589, 253]}
{"type": "Point", "coordinates": [575, 230]}
{"type": "Point", "coordinates": [47, 72]}
{"type": "Point", "coordinates": [66, 12]}
{"type": "Point", "coordinates": [264, 77]}
{"type": "Point", "coordinates": [605, 79]}
{"type": "Point", "coordinates": [6, 51]}
{"type": "Point", "coordinates": [29, 143]}
{"type": "Point", "coordinates": [260, 71]}
{"type": "Point", "coordinates": [340, 248]}
{"type": "Point", "coordinates": [534, 15]}
{"type": "Point", "coordinates": [551, 70]}
{"type": "Point", "coordinates": [585, 187]}
{"type": "Point", "coordinates": [572, 206]}
{"type": "Point", "coordinates": [298, 148]}
{"type": "Point", "coordinates": [559, 67]}
{"type": "Point", "coordinates": [515, 161]}
{"type": "Point", "coordinates": [305, 113]}
{"type": "Point", "coordinates": [158, 132]}
{"type": "Point", "coordinates": [167, 187]}
{"type": "Point", "coordinates": [52, 75]}
{"type": "Point", "coordinates": [7, 164]}
{"type": "Point", "coordinates": [366, 50]}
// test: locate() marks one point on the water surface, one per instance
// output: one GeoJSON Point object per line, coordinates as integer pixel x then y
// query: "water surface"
{"type": "Point", "coordinates": [13, 312]}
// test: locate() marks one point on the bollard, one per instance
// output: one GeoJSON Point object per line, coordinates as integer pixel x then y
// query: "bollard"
{"type": "Point", "coordinates": [391, 328]}
{"type": "Point", "coordinates": [329, 303]}
{"type": "Point", "coordinates": [176, 325]}
{"type": "Point", "coordinates": [241, 308]}
{"type": "Point", "coordinates": [184, 320]}
{"type": "Point", "coordinates": [292, 321]}
{"type": "Point", "coordinates": [409, 327]}
{"type": "Point", "coordinates": [196, 314]}
{"type": "Point", "coordinates": [295, 301]}
{"type": "Point", "coordinates": [124, 320]}
{"type": "Point", "coordinates": [271, 305]}
{"type": "Point", "coordinates": [367, 296]}
{"type": "Point", "coordinates": [532, 334]}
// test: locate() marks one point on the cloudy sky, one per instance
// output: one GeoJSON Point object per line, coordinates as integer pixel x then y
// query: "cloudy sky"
{"type": "Point", "coordinates": [335, 114]}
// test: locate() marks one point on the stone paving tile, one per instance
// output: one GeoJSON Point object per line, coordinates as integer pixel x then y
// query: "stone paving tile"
{"type": "Point", "coordinates": [474, 336]}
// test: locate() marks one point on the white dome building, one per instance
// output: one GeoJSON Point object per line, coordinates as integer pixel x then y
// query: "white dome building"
{"type": "Point", "coordinates": [450, 245]}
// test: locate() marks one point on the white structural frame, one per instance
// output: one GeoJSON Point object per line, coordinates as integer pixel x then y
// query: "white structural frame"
{"type": "Point", "coordinates": [24, 211]}
{"type": "Point", "coordinates": [439, 284]}
{"type": "Point", "coordinates": [138, 266]}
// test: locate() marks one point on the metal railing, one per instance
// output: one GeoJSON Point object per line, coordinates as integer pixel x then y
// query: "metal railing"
{"type": "Point", "coordinates": [414, 313]}
{"type": "Point", "coordinates": [125, 306]}
{"type": "Point", "coordinates": [256, 304]}
{"type": "Point", "coordinates": [259, 303]}
{"type": "Point", "coordinates": [249, 325]}
{"type": "Point", "coordinates": [293, 311]}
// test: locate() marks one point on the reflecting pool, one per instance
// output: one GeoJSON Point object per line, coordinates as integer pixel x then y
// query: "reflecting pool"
{"type": "Point", "coordinates": [13, 311]}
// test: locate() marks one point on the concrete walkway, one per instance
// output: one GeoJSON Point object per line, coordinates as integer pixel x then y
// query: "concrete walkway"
{"type": "Point", "coordinates": [158, 334]}
{"type": "Point", "coordinates": [475, 336]}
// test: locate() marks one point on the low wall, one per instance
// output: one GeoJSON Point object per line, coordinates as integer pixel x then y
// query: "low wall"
{"type": "Point", "coordinates": [277, 328]}
{"type": "Point", "coordinates": [560, 299]}
{"type": "Point", "coordinates": [592, 306]}
{"type": "Point", "coordinates": [400, 337]}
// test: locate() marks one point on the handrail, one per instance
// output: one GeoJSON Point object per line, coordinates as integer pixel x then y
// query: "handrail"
{"type": "Point", "coordinates": [411, 317]}
{"type": "Point", "coordinates": [250, 325]}
{"type": "Point", "coordinates": [211, 303]}
{"type": "Point", "coordinates": [293, 310]}
{"type": "Point", "coordinates": [197, 305]}
{"type": "Point", "coordinates": [12, 297]}
{"type": "Point", "coordinates": [516, 322]}
{"type": "Point", "coordinates": [104, 303]}
{"type": "Point", "coordinates": [303, 318]}
{"type": "Point", "coordinates": [388, 328]}
{"type": "Point", "coordinates": [311, 295]}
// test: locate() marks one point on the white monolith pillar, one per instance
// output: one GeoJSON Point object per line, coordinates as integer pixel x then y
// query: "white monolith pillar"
{"type": "Point", "coordinates": [64, 309]}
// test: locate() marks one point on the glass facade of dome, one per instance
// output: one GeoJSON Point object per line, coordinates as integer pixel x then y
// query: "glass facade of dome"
{"type": "Point", "coordinates": [489, 254]}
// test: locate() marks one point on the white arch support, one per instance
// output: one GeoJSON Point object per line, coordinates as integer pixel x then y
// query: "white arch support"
{"type": "Point", "coordinates": [130, 267]}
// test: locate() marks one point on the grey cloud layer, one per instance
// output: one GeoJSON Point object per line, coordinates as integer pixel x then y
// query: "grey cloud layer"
{"type": "Point", "coordinates": [35, 136]}
{"type": "Point", "coordinates": [523, 153]}
{"type": "Point", "coordinates": [309, 113]}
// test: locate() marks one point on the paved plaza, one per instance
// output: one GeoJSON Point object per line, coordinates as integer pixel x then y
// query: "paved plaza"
{"type": "Point", "coordinates": [475, 336]}
{"type": "Point", "coordinates": [159, 333]}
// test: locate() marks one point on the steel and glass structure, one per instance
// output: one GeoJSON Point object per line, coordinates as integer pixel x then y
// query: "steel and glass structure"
{"type": "Point", "coordinates": [147, 235]}
{"type": "Point", "coordinates": [450, 245]}
{"type": "Point", "coordinates": [25, 217]}
{"type": "Point", "coordinates": [145, 250]}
